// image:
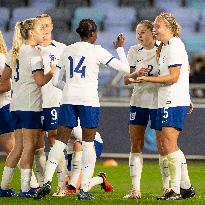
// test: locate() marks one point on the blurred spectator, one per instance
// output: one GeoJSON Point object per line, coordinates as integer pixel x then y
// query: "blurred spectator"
{"type": "Point", "coordinates": [197, 74]}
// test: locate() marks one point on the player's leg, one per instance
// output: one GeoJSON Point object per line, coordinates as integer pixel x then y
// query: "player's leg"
{"type": "Point", "coordinates": [10, 165]}
{"type": "Point", "coordinates": [40, 159]}
{"type": "Point", "coordinates": [67, 120]}
{"type": "Point", "coordinates": [172, 121]}
{"type": "Point", "coordinates": [6, 129]}
{"type": "Point", "coordinates": [137, 125]}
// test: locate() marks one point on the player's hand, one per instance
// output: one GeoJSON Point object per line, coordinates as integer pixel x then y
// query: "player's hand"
{"type": "Point", "coordinates": [119, 41]}
{"type": "Point", "coordinates": [53, 68]}
{"type": "Point", "coordinates": [137, 80]}
{"type": "Point", "coordinates": [143, 72]}
{"type": "Point", "coordinates": [191, 107]}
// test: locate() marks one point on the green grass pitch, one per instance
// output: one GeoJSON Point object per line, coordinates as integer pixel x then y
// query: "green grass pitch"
{"type": "Point", "coordinates": [119, 177]}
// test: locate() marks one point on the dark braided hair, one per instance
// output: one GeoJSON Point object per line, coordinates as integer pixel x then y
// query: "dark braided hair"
{"type": "Point", "coordinates": [86, 27]}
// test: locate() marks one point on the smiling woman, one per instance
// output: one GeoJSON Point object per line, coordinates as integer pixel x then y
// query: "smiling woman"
{"type": "Point", "coordinates": [173, 104]}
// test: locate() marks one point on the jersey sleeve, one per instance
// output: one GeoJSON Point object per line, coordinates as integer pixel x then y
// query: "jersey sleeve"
{"type": "Point", "coordinates": [59, 79]}
{"type": "Point", "coordinates": [174, 55]}
{"type": "Point", "coordinates": [36, 63]}
{"type": "Point", "coordinates": [131, 57]}
{"type": "Point", "coordinates": [107, 59]}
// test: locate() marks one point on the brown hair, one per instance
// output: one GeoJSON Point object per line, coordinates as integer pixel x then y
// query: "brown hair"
{"type": "Point", "coordinates": [149, 24]}
{"type": "Point", "coordinates": [3, 48]}
{"type": "Point", "coordinates": [173, 24]}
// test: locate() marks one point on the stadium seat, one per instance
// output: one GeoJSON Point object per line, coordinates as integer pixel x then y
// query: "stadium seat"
{"type": "Point", "coordinates": [194, 43]}
{"type": "Point", "coordinates": [67, 38]}
{"type": "Point", "coordinates": [88, 12]}
{"type": "Point", "coordinates": [8, 37]}
{"type": "Point", "coordinates": [167, 4]}
{"type": "Point", "coordinates": [4, 18]}
{"type": "Point", "coordinates": [13, 3]}
{"type": "Point", "coordinates": [138, 4]}
{"type": "Point", "coordinates": [196, 4]}
{"type": "Point", "coordinates": [148, 13]}
{"type": "Point", "coordinates": [42, 6]}
{"type": "Point", "coordinates": [23, 13]}
{"type": "Point", "coordinates": [61, 19]}
{"type": "Point", "coordinates": [120, 17]}
{"type": "Point", "coordinates": [187, 17]}
{"type": "Point", "coordinates": [73, 4]}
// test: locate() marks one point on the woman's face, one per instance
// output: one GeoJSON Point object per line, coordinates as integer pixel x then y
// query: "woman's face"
{"type": "Point", "coordinates": [161, 30]}
{"type": "Point", "coordinates": [47, 26]}
{"type": "Point", "coordinates": [144, 35]}
{"type": "Point", "coordinates": [38, 32]}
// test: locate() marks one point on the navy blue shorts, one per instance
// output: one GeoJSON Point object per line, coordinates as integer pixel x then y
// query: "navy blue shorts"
{"type": "Point", "coordinates": [27, 119]}
{"type": "Point", "coordinates": [50, 118]}
{"type": "Point", "coordinates": [171, 117]}
{"type": "Point", "coordinates": [88, 115]}
{"type": "Point", "coordinates": [6, 122]}
{"type": "Point", "coordinates": [141, 116]}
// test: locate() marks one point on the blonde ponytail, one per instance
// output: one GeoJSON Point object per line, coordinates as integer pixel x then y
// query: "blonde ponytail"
{"type": "Point", "coordinates": [3, 47]}
{"type": "Point", "coordinates": [17, 43]}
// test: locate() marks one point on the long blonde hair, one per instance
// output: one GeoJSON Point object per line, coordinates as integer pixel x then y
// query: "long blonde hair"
{"type": "Point", "coordinates": [174, 26]}
{"type": "Point", "coordinates": [3, 47]}
{"type": "Point", "coordinates": [21, 33]}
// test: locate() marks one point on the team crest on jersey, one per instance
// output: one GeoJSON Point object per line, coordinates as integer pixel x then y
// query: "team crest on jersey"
{"type": "Point", "coordinates": [132, 115]}
{"type": "Point", "coordinates": [52, 57]}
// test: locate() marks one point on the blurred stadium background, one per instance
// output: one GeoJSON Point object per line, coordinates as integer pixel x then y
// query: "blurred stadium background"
{"type": "Point", "coordinates": [112, 17]}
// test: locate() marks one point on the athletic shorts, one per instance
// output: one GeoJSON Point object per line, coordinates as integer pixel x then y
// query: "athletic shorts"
{"type": "Point", "coordinates": [27, 119]}
{"type": "Point", "coordinates": [6, 122]}
{"type": "Point", "coordinates": [171, 117]}
{"type": "Point", "coordinates": [141, 116]}
{"type": "Point", "coordinates": [88, 115]}
{"type": "Point", "coordinates": [50, 118]}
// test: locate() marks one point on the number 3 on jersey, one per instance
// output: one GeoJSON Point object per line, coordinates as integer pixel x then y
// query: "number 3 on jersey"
{"type": "Point", "coordinates": [78, 69]}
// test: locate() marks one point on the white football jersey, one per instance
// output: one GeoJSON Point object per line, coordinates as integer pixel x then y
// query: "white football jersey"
{"type": "Point", "coordinates": [144, 95]}
{"type": "Point", "coordinates": [5, 98]}
{"type": "Point", "coordinates": [26, 95]}
{"type": "Point", "coordinates": [81, 62]}
{"type": "Point", "coordinates": [50, 94]}
{"type": "Point", "coordinates": [174, 54]}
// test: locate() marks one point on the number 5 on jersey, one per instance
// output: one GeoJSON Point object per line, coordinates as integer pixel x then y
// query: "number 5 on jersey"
{"type": "Point", "coordinates": [78, 69]}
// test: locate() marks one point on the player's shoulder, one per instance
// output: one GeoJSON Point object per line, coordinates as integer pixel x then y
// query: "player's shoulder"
{"type": "Point", "coordinates": [58, 44]}
{"type": "Point", "coordinates": [135, 48]}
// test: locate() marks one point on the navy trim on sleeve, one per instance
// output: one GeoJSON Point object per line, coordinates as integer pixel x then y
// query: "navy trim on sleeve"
{"type": "Point", "coordinates": [37, 70]}
{"type": "Point", "coordinates": [175, 65]}
{"type": "Point", "coordinates": [109, 61]}
{"type": "Point", "coordinates": [52, 44]}
{"type": "Point", "coordinates": [58, 66]}
{"type": "Point", "coordinates": [141, 49]}
{"type": "Point", "coordinates": [7, 65]}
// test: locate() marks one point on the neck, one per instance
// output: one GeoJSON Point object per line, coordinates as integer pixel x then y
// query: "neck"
{"type": "Point", "coordinates": [149, 46]}
{"type": "Point", "coordinates": [30, 42]}
{"type": "Point", "coordinates": [166, 40]}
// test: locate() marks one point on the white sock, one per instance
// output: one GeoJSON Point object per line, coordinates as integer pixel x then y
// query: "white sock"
{"type": "Point", "coordinates": [33, 182]}
{"type": "Point", "coordinates": [6, 177]}
{"type": "Point", "coordinates": [135, 164]}
{"type": "Point", "coordinates": [61, 171]}
{"type": "Point", "coordinates": [163, 164]}
{"type": "Point", "coordinates": [185, 180]}
{"type": "Point", "coordinates": [25, 179]}
{"type": "Point", "coordinates": [76, 167]}
{"type": "Point", "coordinates": [55, 155]}
{"type": "Point", "coordinates": [88, 164]}
{"type": "Point", "coordinates": [174, 164]}
{"type": "Point", "coordinates": [95, 181]}
{"type": "Point", "coordinates": [40, 162]}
